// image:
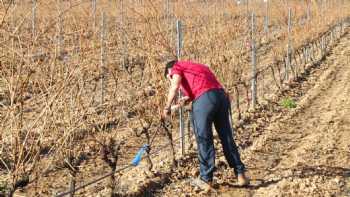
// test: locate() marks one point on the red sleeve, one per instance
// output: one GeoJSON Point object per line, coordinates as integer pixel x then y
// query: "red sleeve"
{"type": "Point", "coordinates": [176, 70]}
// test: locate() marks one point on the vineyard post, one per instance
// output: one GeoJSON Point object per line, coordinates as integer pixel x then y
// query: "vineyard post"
{"type": "Point", "coordinates": [77, 49]}
{"type": "Point", "coordinates": [123, 36]}
{"type": "Point", "coordinates": [332, 35]}
{"type": "Point", "coordinates": [323, 9]}
{"type": "Point", "coordinates": [181, 110]}
{"type": "Point", "coordinates": [341, 26]}
{"type": "Point", "coordinates": [304, 57]}
{"type": "Point", "coordinates": [33, 18]}
{"type": "Point", "coordinates": [323, 45]}
{"type": "Point", "coordinates": [12, 29]}
{"type": "Point", "coordinates": [247, 11]}
{"type": "Point", "coordinates": [254, 77]}
{"type": "Point", "coordinates": [266, 24]}
{"type": "Point", "coordinates": [341, 19]}
{"type": "Point", "coordinates": [320, 11]}
{"type": "Point", "coordinates": [167, 19]}
{"type": "Point", "coordinates": [60, 39]}
{"type": "Point", "coordinates": [335, 35]}
{"type": "Point", "coordinates": [102, 59]}
{"type": "Point", "coordinates": [288, 60]}
{"type": "Point", "coordinates": [308, 53]}
{"type": "Point", "coordinates": [93, 5]}
{"type": "Point", "coordinates": [224, 10]}
{"type": "Point", "coordinates": [336, 28]}
{"type": "Point", "coordinates": [77, 44]}
{"type": "Point", "coordinates": [167, 11]}
{"type": "Point", "coordinates": [313, 51]}
{"type": "Point", "coordinates": [308, 11]}
{"type": "Point", "coordinates": [60, 28]}
{"type": "Point", "coordinates": [12, 113]}
{"type": "Point", "coordinates": [328, 40]}
{"type": "Point", "coordinates": [215, 15]}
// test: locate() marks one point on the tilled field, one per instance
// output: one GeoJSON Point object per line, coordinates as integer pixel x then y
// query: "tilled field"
{"type": "Point", "coordinates": [288, 152]}
{"type": "Point", "coordinates": [300, 152]}
{"type": "Point", "coordinates": [63, 124]}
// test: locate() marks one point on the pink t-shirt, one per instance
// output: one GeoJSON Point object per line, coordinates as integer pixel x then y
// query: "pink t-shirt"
{"type": "Point", "coordinates": [196, 78]}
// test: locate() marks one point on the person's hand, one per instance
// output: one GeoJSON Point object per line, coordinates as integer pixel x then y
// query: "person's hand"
{"type": "Point", "coordinates": [183, 101]}
{"type": "Point", "coordinates": [166, 113]}
{"type": "Point", "coordinates": [228, 96]}
{"type": "Point", "coordinates": [167, 110]}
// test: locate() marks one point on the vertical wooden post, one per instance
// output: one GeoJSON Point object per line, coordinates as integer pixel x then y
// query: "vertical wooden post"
{"type": "Point", "coordinates": [181, 111]}
{"type": "Point", "coordinates": [60, 28]}
{"type": "Point", "coordinates": [323, 46]}
{"type": "Point", "coordinates": [33, 18]}
{"type": "Point", "coordinates": [332, 36]}
{"type": "Point", "coordinates": [266, 24]}
{"type": "Point", "coordinates": [247, 11]}
{"type": "Point", "coordinates": [123, 26]}
{"type": "Point", "coordinates": [77, 44]}
{"type": "Point", "coordinates": [60, 40]}
{"type": "Point", "coordinates": [288, 58]}
{"type": "Point", "coordinates": [102, 63]}
{"type": "Point", "coordinates": [304, 58]}
{"type": "Point", "coordinates": [308, 12]}
{"type": "Point", "coordinates": [167, 11]}
{"type": "Point", "coordinates": [93, 5]}
{"type": "Point", "coordinates": [12, 28]}
{"type": "Point", "coordinates": [254, 77]}
{"type": "Point", "coordinates": [168, 21]}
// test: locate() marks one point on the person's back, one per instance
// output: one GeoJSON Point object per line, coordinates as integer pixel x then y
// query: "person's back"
{"type": "Point", "coordinates": [196, 78]}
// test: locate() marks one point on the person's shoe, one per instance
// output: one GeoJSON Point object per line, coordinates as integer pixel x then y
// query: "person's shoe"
{"type": "Point", "coordinates": [242, 180]}
{"type": "Point", "coordinates": [204, 186]}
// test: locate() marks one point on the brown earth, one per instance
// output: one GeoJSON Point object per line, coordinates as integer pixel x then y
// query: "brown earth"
{"type": "Point", "coordinates": [288, 152]}
{"type": "Point", "coordinates": [303, 151]}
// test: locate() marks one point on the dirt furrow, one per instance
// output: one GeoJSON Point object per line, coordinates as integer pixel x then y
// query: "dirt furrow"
{"type": "Point", "coordinates": [308, 153]}
{"type": "Point", "coordinates": [300, 152]}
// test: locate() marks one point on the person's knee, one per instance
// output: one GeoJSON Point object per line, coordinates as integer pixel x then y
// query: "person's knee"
{"type": "Point", "coordinates": [205, 140]}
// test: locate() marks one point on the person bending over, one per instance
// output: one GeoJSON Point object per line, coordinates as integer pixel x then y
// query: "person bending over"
{"type": "Point", "coordinates": [210, 104]}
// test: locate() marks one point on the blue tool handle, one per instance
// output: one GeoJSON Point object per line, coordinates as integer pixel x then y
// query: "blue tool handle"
{"type": "Point", "coordinates": [138, 156]}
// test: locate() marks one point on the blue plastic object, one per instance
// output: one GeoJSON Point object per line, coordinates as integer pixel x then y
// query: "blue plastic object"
{"type": "Point", "coordinates": [138, 156]}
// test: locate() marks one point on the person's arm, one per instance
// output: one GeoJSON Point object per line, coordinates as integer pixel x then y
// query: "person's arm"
{"type": "Point", "coordinates": [175, 84]}
{"type": "Point", "coordinates": [183, 101]}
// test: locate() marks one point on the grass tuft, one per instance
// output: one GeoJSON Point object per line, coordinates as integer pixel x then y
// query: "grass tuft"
{"type": "Point", "coordinates": [288, 103]}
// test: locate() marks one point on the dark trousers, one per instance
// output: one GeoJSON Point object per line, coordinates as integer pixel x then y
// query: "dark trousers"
{"type": "Point", "coordinates": [213, 107]}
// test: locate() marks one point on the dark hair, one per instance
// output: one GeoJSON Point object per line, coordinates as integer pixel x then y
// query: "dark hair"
{"type": "Point", "coordinates": [168, 66]}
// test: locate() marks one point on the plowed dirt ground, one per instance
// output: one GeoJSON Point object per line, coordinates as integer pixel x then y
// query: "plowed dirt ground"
{"type": "Point", "coordinates": [303, 152]}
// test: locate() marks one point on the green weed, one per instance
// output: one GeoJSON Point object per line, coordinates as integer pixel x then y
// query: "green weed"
{"type": "Point", "coordinates": [288, 103]}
